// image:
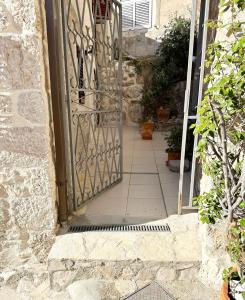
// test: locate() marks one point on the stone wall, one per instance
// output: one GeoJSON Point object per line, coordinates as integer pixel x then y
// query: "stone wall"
{"type": "Point", "coordinates": [132, 86]}
{"type": "Point", "coordinates": [27, 178]}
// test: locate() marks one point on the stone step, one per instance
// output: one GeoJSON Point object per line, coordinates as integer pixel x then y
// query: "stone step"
{"type": "Point", "coordinates": [130, 256]}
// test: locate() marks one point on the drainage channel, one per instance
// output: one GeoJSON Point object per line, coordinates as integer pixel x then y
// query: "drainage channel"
{"type": "Point", "coordinates": [121, 228]}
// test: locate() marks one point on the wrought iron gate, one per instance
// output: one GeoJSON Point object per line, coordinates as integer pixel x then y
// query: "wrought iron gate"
{"type": "Point", "coordinates": [92, 54]}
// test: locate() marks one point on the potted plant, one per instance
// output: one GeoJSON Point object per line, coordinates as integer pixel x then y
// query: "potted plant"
{"type": "Point", "coordinates": [174, 140]}
{"type": "Point", "coordinates": [163, 114]}
{"type": "Point", "coordinates": [233, 287]}
{"type": "Point", "coordinates": [146, 129]}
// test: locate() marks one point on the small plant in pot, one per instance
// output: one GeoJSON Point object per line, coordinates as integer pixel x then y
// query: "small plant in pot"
{"type": "Point", "coordinates": [233, 287]}
{"type": "Point", "coordinates": [146, 123]}
{"type": "Point", "coordinates": [163, 114]}
{"type": "Point", "coordinates": [174, 140]}
{"type": "Point", "coordinates": [146, 128]}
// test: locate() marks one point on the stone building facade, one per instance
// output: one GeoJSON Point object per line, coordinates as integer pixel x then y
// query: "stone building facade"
{"type": "Point", "coordinates": [27, 178]}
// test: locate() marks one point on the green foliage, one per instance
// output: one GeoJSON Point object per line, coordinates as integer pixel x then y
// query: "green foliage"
{"type": "Point", "coordinates": [173, 55]}
{"type": "Point", "coordinates": [209, 207]}
{"type": "Point", "coordinates": [221, 128]}
{"type": "Point", "coordinates": [142, 63]}
{"type": "Point", "coordinates": [168, 67]}
{"type": "Point", "coordinates": [174, 141]}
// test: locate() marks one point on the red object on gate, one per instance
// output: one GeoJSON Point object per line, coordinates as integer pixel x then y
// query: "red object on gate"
{"type": "Point", "coordinates": [102, 9]}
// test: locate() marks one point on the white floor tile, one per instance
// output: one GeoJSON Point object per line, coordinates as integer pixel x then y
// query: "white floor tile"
{"type": "Point", "coordinates": [146, 207]}
{"type": "Point", "coordinates": [140, 168]}
{"type": "Point", "coordinates": [142, 160]}
{"type": "Point", "coordinates": [143, 154]}
{"type": "Point", "coordinates": [139, 197]}
{"type": "Point", "coordinates": [170, 189]}
{"type": "Point", "coordinates": [171, 205]}
{"type": "Point", "coordinates": [107, 206]}
{"type": "Point", "coordinates": [162, 168]}
{"type": "Point", "coordinates": [144, 179]}
{"type": "Point", "coordinates": [145, 191]}
{"type": "Point", "coordinates": [169, 177]}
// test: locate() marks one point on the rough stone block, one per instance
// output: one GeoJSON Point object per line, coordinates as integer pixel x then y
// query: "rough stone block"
{"type": "Point", "coordinates": [188, 274]}
{"type": "Point", "coordinates": [24, 140]}
{"type": "Point", "coordinates": [19, 16]}
{"type": "Point", "coordinates": [17, 160]}
{"type": "Point", "coordinates": [166, 274]}
{"type": "Point", "coordinates": [33, 213]}
{"type": "Point", "coordinates": [128, 83]}
{"type": "Point", "coordinates": [30, 106]}
{"type": "Point", "coordinates": [6, 20]}
{"type": "Point", "coordinates": [125, 287]}
{"type": "Point", "coordinates": [41, 242]}
{"type": "Point", "coordinates": [133, 92]}
{"type": "Point", "coordinates": [5, 105]}
{"type": "Point", "coordinates": [20, 62]}
{"type": "Point", "coordinates": [61, 279]}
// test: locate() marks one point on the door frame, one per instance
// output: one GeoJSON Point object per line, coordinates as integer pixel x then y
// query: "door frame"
{"type": "Point", "coordinates": [57, 99]}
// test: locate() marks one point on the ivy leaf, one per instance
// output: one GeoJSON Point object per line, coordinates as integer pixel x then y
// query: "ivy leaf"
{"type": "Point", "coordinates": [242, 222]}
{"type": "Point", "coordinates": [242, 204]}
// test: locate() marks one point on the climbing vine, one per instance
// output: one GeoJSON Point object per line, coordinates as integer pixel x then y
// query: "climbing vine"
{"type": "Point", "coordinates": [221, 147]}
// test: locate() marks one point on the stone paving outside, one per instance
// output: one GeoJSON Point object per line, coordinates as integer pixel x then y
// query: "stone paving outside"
{"type": "Point", "coordinates": [148, 191]}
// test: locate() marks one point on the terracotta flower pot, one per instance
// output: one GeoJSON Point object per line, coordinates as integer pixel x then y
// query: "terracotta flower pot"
{"type": "Point", "coordinates": [224, 292]}
{"type": "Point", "coordinates": [174, 156]}
{"type": "Point", "coordinates": [146, 130]}
{"type": "Point", "coordinates": [163, 114]}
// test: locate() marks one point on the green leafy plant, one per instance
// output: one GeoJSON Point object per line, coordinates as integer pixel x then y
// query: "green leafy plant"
{"type": "Point", "coordinates": [168, 67]}
{"type": "Point", "coordinates": [172, 55]}
{"type": "Point", "coordinates": [221, 147]}
{"type": "Point", "coordinates": [174, 141]}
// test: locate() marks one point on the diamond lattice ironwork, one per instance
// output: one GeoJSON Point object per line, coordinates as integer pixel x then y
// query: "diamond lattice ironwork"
{"type": "Point", "coordinates": [93, 62]}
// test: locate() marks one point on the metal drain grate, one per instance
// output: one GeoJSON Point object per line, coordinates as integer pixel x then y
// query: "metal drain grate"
{"type": "Point", "coordinates": [148, 228]}
{"type": "Point", "coordinates": [152, 291]}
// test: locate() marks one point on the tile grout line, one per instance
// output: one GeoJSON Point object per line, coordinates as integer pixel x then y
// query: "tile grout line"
{"type": "Point", "coordinates": [130, 177]}
{"type": "Point", "coordinates": [163, 198]}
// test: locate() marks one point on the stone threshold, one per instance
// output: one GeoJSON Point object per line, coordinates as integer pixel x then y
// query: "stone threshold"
{"type": "Point", "coordinates": [127, 255]}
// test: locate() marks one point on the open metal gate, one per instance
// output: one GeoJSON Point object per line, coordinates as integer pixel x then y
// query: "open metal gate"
{"type": "Point", "coordinates": [92, 54]}
{"type": "Point", "coordinates": [193, 100]}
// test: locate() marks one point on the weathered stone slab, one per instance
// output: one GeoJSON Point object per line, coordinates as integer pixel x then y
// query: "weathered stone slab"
{"type": "Point", "coordinates": [26, 140]}
{"type": "Point", "coordinates": [140, 256]}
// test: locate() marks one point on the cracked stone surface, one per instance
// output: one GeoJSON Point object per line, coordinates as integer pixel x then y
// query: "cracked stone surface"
{"type": "Point", "coordinates": [105, 290]}
{"type": "Point", "coordinates": [127, 256]}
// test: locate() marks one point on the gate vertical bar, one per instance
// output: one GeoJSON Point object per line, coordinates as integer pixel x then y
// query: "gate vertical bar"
{"type": "Point", "coordinates": [186, 105]}
{"type": "Point", "coordinates": [120, 87]}
{"type": "Point", "coordinates": [200, 92]}
{"type": "Point", "coordinates": [68, 99]}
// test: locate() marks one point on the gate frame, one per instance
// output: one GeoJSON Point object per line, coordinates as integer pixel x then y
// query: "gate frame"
{"type": "Point", "coordinates": [53, 37]}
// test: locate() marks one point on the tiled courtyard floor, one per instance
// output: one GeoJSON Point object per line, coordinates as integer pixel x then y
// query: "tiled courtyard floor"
{"type": "Point", "coordinates": [148, 191]}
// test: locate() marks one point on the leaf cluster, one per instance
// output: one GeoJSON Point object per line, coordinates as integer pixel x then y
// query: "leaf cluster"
{"type": "Point", "coordinates": [222, 129]}
{"type": "Point", "coordinates": [169, 65]}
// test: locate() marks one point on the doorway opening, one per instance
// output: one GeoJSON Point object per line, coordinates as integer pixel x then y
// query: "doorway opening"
{"type": "Point", "coordinates": [109, 174]}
